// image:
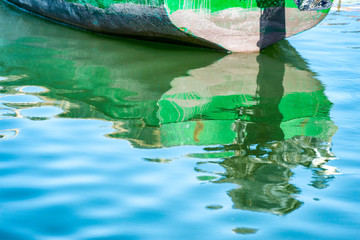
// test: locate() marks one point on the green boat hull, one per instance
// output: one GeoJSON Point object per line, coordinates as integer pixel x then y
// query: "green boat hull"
{"type": "Point", "coordinates": [237, 26]}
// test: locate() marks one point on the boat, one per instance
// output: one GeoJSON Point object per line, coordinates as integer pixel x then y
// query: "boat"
{"type": "Point", "coordinates": [229, 25]}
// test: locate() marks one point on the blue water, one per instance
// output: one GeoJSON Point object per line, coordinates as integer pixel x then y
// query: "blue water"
{"type": "Point", "coordinates": [105, 138]}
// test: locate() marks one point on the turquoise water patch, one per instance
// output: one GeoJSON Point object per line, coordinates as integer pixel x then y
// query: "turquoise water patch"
{"type": "Point", "coordinates": [41, 112]}
{"type": "Point", "coordinates": [20, 99]}
{"type": "Point", "coordinates": [32, 89]}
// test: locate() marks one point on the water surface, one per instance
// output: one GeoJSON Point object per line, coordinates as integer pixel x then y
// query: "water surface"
{"type": "Point", "coordinates": [104, 138]}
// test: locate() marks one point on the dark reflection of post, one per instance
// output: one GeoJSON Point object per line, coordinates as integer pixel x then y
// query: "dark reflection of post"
{"type": "Point", "coordinates": [263, 154]}
{"type": "Point", "coordinates": [264, 184]}
{"type": "Point", "coordinates": [272, 22]}
{"type": "Point", "coordinates": [266, 115]}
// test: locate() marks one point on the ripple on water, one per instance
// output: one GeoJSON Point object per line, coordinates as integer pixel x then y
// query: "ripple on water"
{"type": "Point", "coordinates": [8, 134]}
{"type": "Point", "coordinates": [20, 193]}
{"type": "Point", "coordinates": [245, 230]}
{"type": "Point", "coordinates": [43, 112]}
{"type": "Point", "coordinates": [214, 207]}
{"type": "Point", "coordinates": [21, 98]}
{"type": "Point", "coordinates": [12, 77]}
{"type": "Point", "coordinates": [32, 89]}
{"type": "Point", "coordinates": [7, 113]}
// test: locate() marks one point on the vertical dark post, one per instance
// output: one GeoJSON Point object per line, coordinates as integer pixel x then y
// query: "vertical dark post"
{"type": "Point", "coordinates": [272, 22]}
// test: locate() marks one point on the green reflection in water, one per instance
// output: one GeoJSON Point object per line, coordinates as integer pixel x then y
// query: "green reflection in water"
{"type": "Point", "coordinates": [260, 114]}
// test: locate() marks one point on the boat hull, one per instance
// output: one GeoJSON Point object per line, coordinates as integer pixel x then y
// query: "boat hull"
{"type": "Point", "coordinates": [237, 29]}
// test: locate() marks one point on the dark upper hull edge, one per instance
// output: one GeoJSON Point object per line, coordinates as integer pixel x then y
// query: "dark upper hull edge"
{"type": "Point", "coordinates": [127, 20]}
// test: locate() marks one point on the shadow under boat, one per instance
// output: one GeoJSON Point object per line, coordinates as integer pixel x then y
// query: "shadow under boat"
{"type": "Point", "coordinates": [257, 115]}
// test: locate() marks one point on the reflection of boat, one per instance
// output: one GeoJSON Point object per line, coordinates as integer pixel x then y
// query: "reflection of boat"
{"type": "Point", "coordinates": [240, 26]}
{"type": "Point", "coordinates": [204, 107]}
{"type": "Point", "coordinates": [231, 85]}
{"type": "Point", "coordinates": [132, 89]}
{"type": "Point", "coordinates": [259, 115]}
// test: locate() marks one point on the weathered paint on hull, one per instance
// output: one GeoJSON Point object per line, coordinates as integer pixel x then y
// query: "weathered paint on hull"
{"type": "Point", "coordinates": [238, 26]}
